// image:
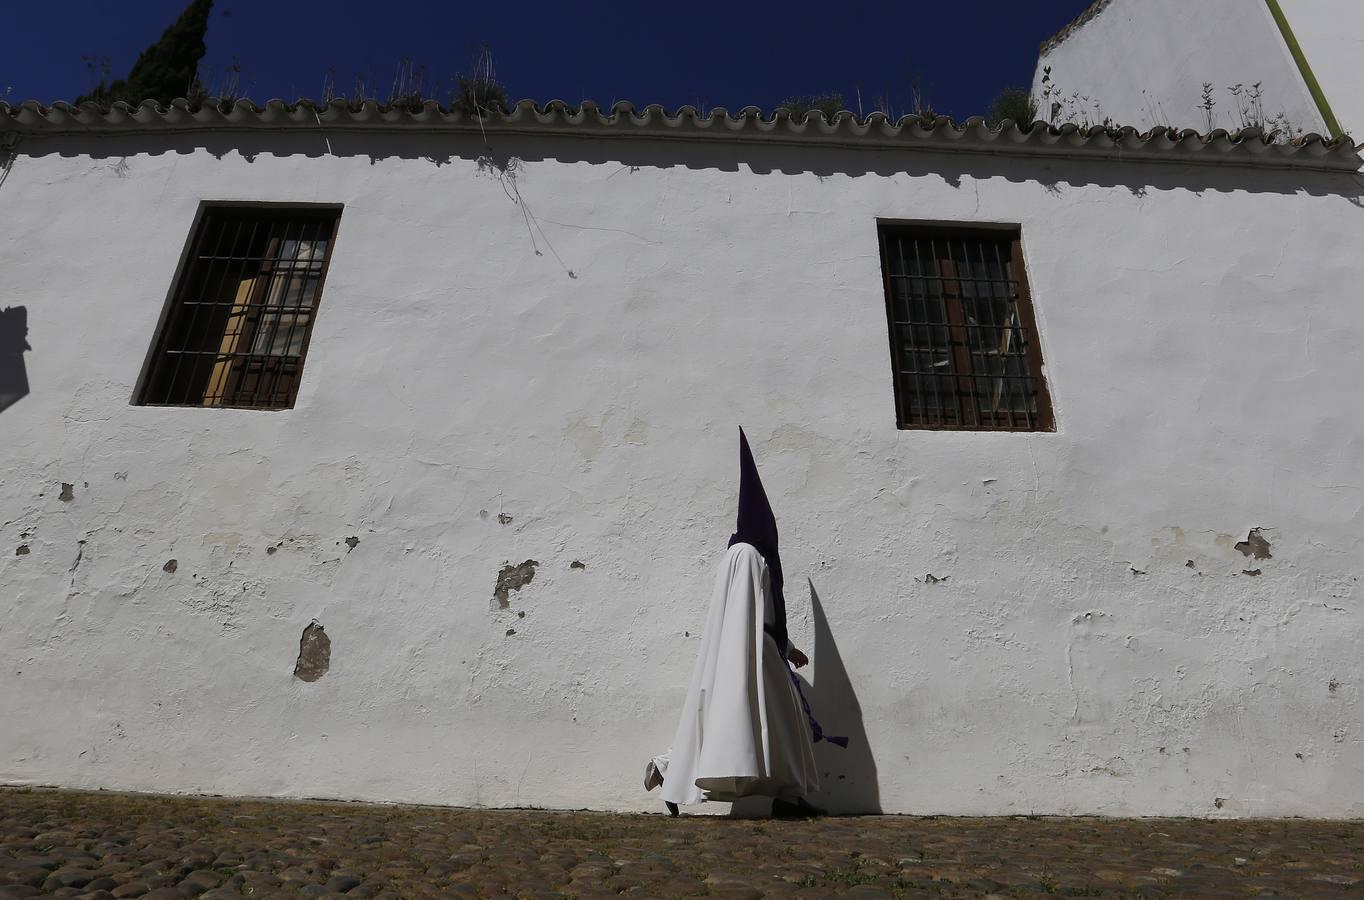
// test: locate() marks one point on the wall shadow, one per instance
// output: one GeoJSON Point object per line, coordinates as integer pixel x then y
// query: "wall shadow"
{"type": "Point", "coordinates": [13, 343]}
{"type": "Point", "coordinates": [848, 784]}
{"type": "Point", "coordinates": [439, 149]}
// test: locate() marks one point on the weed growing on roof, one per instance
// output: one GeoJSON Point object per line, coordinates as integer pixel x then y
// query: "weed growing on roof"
{"type": "Point", "coordinates": [801, 105]}
{"type": "Point", "coordinates": [479, 92]}
{"type": "Point", "coordinates": [1013, 104]}
{"type": "Point", "coordinates": [1207, 104]}
{"type": "Point", "coordinates": [1248, 111]}
{"type": "Point", "coordinates": [1073, 108]}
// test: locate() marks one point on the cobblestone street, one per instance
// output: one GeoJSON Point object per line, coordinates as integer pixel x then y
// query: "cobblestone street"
{"type": "Point", "coordinates": [101, 845]}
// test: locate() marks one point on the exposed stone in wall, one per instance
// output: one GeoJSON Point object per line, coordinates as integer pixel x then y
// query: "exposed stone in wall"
{"type": "Point", "coordinates": [577, 564]}
{"type": "Point", "coordinates": [513, 578]}
{"type": "Point", "coordinates": [68, 492]}
{"type": "Point", "coordinates": [1255, 545]}
{"type": "Point", "coordinates": [171, 565]}
{"type": "Point", "coordinates": [314, 653]}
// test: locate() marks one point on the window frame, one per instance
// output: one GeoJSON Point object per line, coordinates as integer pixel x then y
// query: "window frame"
{"type": "Point", "coordinates": [264, 212]}
{"type": "Point", "coordinates": [959, 352]}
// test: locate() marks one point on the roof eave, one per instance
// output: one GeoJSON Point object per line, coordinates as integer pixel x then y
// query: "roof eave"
{"type": "Point", "coordinates": [749, 125]}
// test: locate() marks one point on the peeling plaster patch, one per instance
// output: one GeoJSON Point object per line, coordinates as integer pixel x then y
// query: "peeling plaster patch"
{"type": "Point", "coordinates": [1255, 545]}
{"type": "Point", "coordinates": [638, 433]}
{"type": "Point", "coordinates": [1218, 801]}
{"type": "Point", "coordinates": [521, 614]}
{"type": "Point", "coordinates": [170, 566]}
{"type": "Point", "coordinates": [586, 437]}
{"type": "Point", "coordinates": [934, 579]}
{"type": "Point", "coordinates": [511, 631]}
{"type": "Point", "coordinates": [1136, 573]}
{"type": "Point", "coordinates": [68, 492]}
{"type": "Point", "coordinates": [577, 564]}
{"type": "Point", "coordinates": [513, 578]}
{"type": "Point", "coordinates": [1190, 565]}
{"type": "Point", "coordinates": [351, 543]}
{"type": "Point", "coordinates": [22, 550]}
{"type": "Point", "coordinates": [1333, 686]}
{"type": "Point", "coordinates": [314, 653]}
{"type": "Point", "coordinates": [270, 551]}
{"type": "Point", "coordinates": [504, 519]}
{"type": "Point", "coordinates": [120, 476]}
{"type": "Point", "coordinates": [1252, 572]}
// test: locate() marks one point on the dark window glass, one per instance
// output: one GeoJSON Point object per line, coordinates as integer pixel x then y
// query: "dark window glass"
{"type": "Point", "coordinates": [963, 340]}
{"type": "Point", "coordinates": [239, 322]}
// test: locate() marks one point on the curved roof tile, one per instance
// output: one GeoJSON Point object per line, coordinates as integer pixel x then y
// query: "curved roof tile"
{"type": "Point", "coordinates": [623, 120]}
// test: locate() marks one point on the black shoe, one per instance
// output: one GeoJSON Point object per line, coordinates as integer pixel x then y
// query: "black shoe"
{"type": "Point", "coordinates": [799, 809]}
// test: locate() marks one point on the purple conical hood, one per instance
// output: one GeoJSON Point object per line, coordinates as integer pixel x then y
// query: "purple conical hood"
{"type": "Point", "coordinates": [758, 526]}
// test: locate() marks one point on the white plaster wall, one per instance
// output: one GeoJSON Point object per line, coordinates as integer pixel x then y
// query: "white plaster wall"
{"type": "Point", "coordinates": [1202, 348]}
{"type": "Point", "coordinates": [1331, 35]}
{"type": "Point", "coordinates": [1144, 63]}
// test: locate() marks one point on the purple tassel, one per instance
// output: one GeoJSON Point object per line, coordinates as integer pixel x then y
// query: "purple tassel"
{"type": "Point", "coordinates": [816, 732]}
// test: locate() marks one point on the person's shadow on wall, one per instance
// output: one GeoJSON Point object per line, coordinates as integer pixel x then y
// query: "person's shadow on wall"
{"type": "Point", "coordinates": [847, 777]}
{"type": "Point", "coordinates": [13, 343]}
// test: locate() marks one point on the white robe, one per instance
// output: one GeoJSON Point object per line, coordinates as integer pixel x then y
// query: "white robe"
{"type": "Point", "coordinates": [742, 730]}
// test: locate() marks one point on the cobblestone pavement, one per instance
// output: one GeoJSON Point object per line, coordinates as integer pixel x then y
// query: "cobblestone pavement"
{"type": "Point", "coordinates": [101, 845]}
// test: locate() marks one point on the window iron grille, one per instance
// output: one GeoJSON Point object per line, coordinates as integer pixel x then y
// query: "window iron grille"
{"type": "Point", "coordinates": [963, 338]}
{"type": "Point", "coordinates": [243, 310]}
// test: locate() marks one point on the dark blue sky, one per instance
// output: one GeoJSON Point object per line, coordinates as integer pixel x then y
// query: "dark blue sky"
{"type": "Point", "coordinates": [728, 54]}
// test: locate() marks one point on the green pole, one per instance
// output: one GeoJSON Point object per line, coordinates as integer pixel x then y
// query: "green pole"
{"type": "Point", "coordinates": [1313, 87]}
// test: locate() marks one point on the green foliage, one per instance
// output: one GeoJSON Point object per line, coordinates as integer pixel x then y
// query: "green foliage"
{"type": "Point", "coordinates": [167, 69]}
{"type": "Point", "coordinates": [801, 106]}
{"type": "Point", "coordinates": [1014, 104]}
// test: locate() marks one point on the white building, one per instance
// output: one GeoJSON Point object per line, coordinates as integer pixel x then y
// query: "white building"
{"type": "Point", "coordinates": [1293, 65]}
{"type": "Point", "coordinates": [500, 463]}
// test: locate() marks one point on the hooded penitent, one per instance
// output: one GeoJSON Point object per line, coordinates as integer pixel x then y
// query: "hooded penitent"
{"type": "Point", "coordinates": [742, 731]}
{"type": "Point", "coordinates": [757, 526]}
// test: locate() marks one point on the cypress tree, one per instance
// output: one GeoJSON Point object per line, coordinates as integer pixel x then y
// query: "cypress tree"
{"type": "Point", "coordinates": [167, 69]}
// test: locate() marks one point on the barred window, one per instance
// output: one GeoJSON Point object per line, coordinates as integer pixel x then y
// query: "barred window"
{"type": "Point", "coordinates": [963, 340]}
{"type": "Point", "coordinates": [240, 317]}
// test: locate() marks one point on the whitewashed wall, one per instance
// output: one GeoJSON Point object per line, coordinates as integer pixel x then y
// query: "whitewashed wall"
{"type": "Point", "coordinates": [1093, 644]}
{"type": "Point", "coordinates": [1331, 35]}
{"type": "Point", "coordinates": [1144, 63]}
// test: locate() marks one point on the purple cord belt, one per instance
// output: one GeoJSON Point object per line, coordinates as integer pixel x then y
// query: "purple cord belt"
{"type": "Point", "coordinates": [816, 732]}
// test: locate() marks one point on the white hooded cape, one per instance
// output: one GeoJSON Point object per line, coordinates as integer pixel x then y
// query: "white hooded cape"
{"type": "Point", "coordinates": [742, 730]}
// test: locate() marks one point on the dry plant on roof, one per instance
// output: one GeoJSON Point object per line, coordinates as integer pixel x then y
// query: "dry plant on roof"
{"type": "Point", "coordinates": [479, 92]}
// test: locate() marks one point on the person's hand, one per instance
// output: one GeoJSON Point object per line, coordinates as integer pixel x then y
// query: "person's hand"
{"type": "Point", "coordinates": [797, 658]}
